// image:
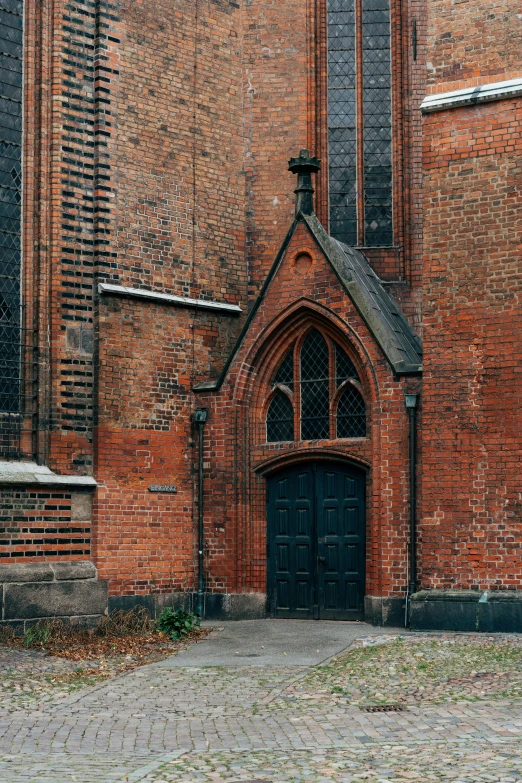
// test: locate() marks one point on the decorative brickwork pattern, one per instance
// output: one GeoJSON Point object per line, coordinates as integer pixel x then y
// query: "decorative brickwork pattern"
{"type": "Point", "coordinates": [36, 525]}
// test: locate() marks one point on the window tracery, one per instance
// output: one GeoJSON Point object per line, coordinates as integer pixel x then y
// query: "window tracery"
{"type": "Point", "coordinates": [316, 393]}
{"type": "Point", "coordinates": [11, 74]}
{"type": "Point", "coordinates": [360, 121]}
{"type": "Point", "coordinates": [280, 419]}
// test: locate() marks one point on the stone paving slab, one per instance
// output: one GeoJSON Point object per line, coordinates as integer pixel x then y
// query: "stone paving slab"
{"type": "Point", "coordinates": [423, 762]}
{"type": "Point", "coordinates": [79, 731]}
{"type": "Point", "coordinates": [64, 768]}
{"type": "Point", "coordinates": [275, 643]}
{"type": "Point", "coordinates": [224, 724]}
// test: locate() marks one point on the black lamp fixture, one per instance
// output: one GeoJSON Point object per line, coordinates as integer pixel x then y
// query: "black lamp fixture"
{"type": "Point", "coordinates": [200, 415]}
{"type": "Point", "coordinates": [411, 400]}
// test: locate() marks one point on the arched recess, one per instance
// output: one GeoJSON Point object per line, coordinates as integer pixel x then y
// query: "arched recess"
{"type": "Point", "coordinates": [252, 389]}
{"type": "Point", "coordinates": [276, 462]}
{"type": "Point", "coordinates": [272, 346]}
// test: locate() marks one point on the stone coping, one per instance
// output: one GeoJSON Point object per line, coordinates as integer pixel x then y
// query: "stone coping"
{"type": "Point", "coordinates": [468, 596]}
{"type": "Point", "coordinates": [470, 96]}
{"type": "Point", "coordinates": [172, 299]}
{"type": "Point", "coordinates": [31, 473]}
{"type": "Point", "coordinates": [47, 572]}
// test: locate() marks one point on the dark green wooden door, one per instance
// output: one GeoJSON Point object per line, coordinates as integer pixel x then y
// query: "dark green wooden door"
{"type": "Point", "coordinates": [316, 541]}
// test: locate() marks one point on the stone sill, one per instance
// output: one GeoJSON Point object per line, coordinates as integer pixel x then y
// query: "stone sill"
{"type": "Point", "coordinates": [172, 299]}
{"type": "Point", "coordinates": [14, 473]}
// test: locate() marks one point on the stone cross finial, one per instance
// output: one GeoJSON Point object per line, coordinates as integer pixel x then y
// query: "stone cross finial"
{"type": "Point", "coordinates": [303, 167]}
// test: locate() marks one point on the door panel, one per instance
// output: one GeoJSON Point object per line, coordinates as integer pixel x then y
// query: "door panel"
{"type": "Point", "coordinates": [291, 577]}
{"type": "Point", "coordinates": [340, 576]}
{"type": "Point", "coordinates": [316, 541]}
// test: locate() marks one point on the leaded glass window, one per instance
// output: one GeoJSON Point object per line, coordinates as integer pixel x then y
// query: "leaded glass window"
{"type": "Point", "coordinates": [285, 373]}
{"type": "Point", "coordinates": [280, 419]}
{"type": "Point", "coordinates": [11, 60]}
{"type": "Point", "coordinates": [360, 143]}
{"type": "Point", "coordinates": [315, 388]}
{"type": "Point", "coordinates": [344, 367]}
{"type": "Point", "coordinates": [377, 123]}
{"type": "Point", "coordinates": [351, 414]}
{"type": "Point", "coordinates": [324, 371]}
{"type": "Point", "coordinates": [342, 129]}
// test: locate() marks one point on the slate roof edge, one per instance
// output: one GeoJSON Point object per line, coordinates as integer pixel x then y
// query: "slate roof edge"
{"type": "Point", "coordinates": [332, 251]}
{"type": "Point", "coordinates": [206, 386]}
{"type": "Point", "coordinates": [353, 288]}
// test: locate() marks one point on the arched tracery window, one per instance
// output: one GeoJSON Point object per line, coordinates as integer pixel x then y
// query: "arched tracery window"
{"type": "Point", "coordinates": [351, 414]}
{"type": "Point", "coordinates": [315, 388]}
{"type": "Point", "coordinates": [280, 419]}
{"type": "Point", "coordinates": [329, 402]}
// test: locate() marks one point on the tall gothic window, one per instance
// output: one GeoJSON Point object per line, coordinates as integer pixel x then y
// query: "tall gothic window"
{"type": "Point", "coordinates": [359, 122]}
{"type": "Point", "coordinates": [315, 388]}
{"type": "Point", "coordinates": [328, 402]}
{"type": "Point", "coordinates": [11, 67]}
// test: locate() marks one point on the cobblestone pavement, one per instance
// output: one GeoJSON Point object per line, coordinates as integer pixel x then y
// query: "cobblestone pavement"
{"type": "Point", "coordinates": [283, 723]}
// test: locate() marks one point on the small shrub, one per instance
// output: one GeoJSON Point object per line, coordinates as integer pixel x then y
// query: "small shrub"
{"type": "Point", "coordinates": [177, 623]}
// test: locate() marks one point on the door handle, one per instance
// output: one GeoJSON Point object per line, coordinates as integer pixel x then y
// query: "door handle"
{"type": "Point", "coordinates": [322, 560]}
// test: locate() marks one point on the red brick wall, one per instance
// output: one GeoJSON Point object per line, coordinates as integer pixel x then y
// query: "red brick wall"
{"type": "Point", "coordinates": [470, 41]}
{"type": "Point", "coordinates": [150, 357]}
{"type": "Point", "coordinates": [157, 158]}
{"type": "Point", "coordinates": [471, 441]}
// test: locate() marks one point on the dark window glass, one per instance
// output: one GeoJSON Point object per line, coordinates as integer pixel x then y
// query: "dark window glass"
{"type": "Point", "coordinates": [344, 367]}
{"type": "Point", "coordinates": [377, 122]}
{"type": "Point", "coordinates": [11, 45]}
{"type": "Point", "coordinates": [351, 414]}
{"type": "Point", "coordinates": [315, 422]}
{"type": "Point", "coordinates": [342, 101]}
{"type": "Point", "coordinates": [375, 147]}
{"type": "Point", "coordinates": [280, 419]}
{"type": "Point", "coordinates": [285, 373]}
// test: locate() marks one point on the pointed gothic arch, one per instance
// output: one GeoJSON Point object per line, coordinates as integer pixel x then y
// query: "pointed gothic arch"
{"type": "Point", "coordinates": [315, 391]}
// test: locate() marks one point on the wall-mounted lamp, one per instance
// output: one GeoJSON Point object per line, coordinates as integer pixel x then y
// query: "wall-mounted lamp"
{"type": "Point", "coordinates": [411, 400]}
{"type": "Point", "coordinates": [200, 415]}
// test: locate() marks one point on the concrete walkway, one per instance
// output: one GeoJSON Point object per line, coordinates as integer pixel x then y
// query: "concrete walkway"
{"type": "Point", "coordinates": [273, 643]}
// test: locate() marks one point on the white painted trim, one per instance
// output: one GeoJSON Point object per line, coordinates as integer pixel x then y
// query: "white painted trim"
{"type": "Point", "coordinates": [180, 301]}
{"type": "Point", "coordinates": [472, 95]}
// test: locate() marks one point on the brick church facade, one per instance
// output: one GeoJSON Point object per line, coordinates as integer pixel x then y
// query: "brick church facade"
{"type": "Point", "coordinates": [248, 386]}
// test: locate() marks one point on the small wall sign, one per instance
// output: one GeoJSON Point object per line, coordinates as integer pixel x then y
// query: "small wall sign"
{"type": "Point", "coordinates": [162, 488]}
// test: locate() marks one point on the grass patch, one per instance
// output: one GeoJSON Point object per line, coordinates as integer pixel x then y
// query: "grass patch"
{"type": "Point", "coordinates": [412, 670]}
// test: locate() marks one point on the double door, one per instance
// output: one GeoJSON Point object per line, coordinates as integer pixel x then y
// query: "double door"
{"type": "Point", "coordinates": [316, 541]}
